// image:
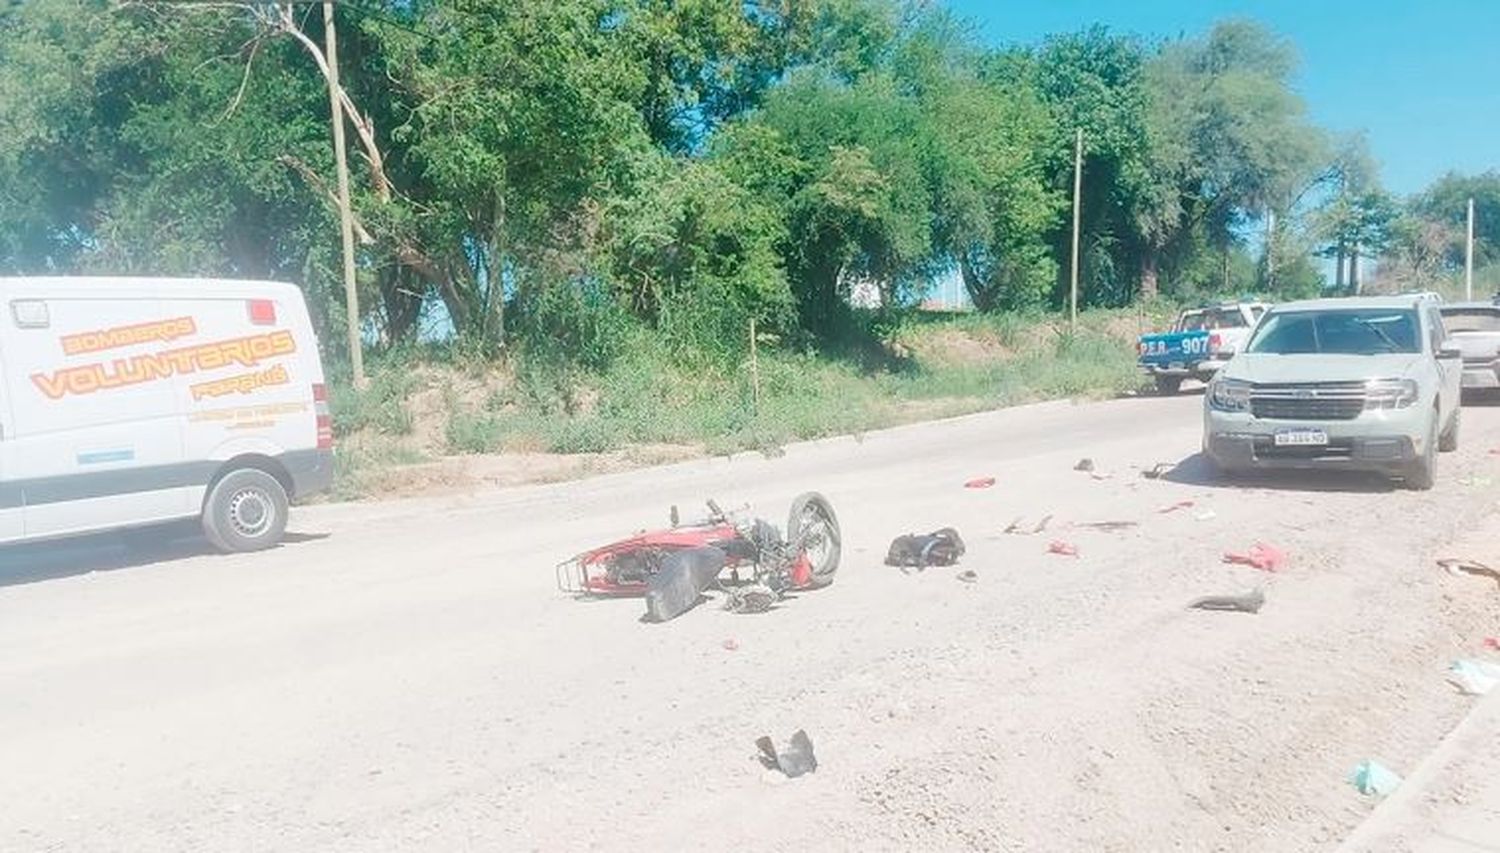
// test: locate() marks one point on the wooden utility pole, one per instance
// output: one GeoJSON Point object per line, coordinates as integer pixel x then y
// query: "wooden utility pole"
{"type": "Point", "coordinates": [346, 216]}
{"type": "Point", "coordinates": [1469, 255]}
{"type": "Point", "coordinates": [1077, 194]}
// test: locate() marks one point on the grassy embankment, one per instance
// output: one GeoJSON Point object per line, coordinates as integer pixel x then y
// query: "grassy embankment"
{"type": "Point", "coordinates": [649, 407]}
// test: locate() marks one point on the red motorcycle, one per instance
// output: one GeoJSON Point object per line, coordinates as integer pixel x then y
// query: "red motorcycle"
{"type": "Point", "coordinates": [671, 568]}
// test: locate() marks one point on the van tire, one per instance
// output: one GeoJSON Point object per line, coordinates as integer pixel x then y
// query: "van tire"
{"type": "Point", "coordinates": [246, 510]}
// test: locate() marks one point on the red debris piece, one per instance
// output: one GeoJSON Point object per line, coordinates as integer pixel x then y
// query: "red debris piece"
{"type": "Point", "coordinates": [1062, 549]}
{"type": "Point", "coordinates": [1267, 558]}
{"type": "Point", "coordinates": [730, 644]}
{"type": "Point", "coordinates": [980, 483]}
{"type": "Point", "coordinates": [1175, 507]}
{"type": "Point", "coordinates": [1492, 643]}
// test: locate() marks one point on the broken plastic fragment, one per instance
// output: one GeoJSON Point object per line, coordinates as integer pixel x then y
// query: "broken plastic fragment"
{"type": "Point", "coordinates": [1062, 549]}
{"type": "Point", "coordinates": [1248, 603]}
{"type": "Point", "coordinates": [1085, 464]}
{"type": "Point", "coordinates": [794, 760]}
{"type": "Point", "coordinates": [1470, 567]}
{"type": "Point", "coordinates": [1374, 778]}
{"type": "Point", "coordinates": [1175, 507]}
{"type": "Point", "coordinates": [1267, 558]}
{"type": "Point", "coordinates": [980, 483]}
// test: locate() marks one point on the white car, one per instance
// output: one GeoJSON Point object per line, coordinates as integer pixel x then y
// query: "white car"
{"type": "Point", "coordinates": [125, 402]}
{"type": "Point", "coordinates": [1361, 383]}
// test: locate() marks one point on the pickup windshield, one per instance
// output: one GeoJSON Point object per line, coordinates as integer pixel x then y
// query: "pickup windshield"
{"type": "Point", "coordinates": [1338, 332]}
{"type": "Point", "coordinates": [1211, 319]}
{"type": "Point", "coordinates": [1472, 320]}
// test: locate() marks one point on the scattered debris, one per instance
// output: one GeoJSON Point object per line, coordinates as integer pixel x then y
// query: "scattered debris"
{"type": "Point", "coordinates": [1016, 528]}
{"type": "Point", "coordinates": [1492, 643]}
{"type": "Point", "coordinates": [1373, 778]}
{"type": "Point", "coordinates": [1206, 515]}
{"type": "Point", "coordinates": [980, 483]}
{"type": "Point", "coordinates": [939, 548]}
{"type": "Point", "coordinates": [1175, 507]}
{"type": "Point", "coordinates": [1159, 470]}
{"type": "Point", "coordinates": [1473, 677]}
{"type": "Point", "coordinates": [968, 576]}
{"type": "Point", "coordinates": [751, 598]}
{"type": "Point", "coordinates": [1267, 558]}
{"type": "Point", "coordinates": [1249, 602]}
{"type": "Point", "coordinates": [1085, 464]}
{"type": "Point", "coordinates": [1062, 549]}
{"type": "Point", "coordinates": [1472, 567]}
{"type": "Point", "coordinates": [1097, 476]}
{"type": "Point", "coordinates": [731, 645]}
{"type": "Point", "coordinates": [794, 760]}
{"type": "Point", "coordinates": [1109, 526]}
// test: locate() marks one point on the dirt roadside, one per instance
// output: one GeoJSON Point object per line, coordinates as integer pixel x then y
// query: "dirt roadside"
{"type": "Point", "coordinates": [405, 677]}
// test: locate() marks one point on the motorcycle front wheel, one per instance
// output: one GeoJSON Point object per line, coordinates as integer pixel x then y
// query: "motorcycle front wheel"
{"type": "Point", "coordinates": [813, 529]}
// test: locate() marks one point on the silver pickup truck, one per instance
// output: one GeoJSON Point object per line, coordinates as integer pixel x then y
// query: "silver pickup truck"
{"type": "Point", "coordinates": [1475, 328]}
{"type": "Point", "coordinates": [1364, 383]}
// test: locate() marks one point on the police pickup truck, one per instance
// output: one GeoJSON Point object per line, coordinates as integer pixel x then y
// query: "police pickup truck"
{"type": "Point", "coordinates": [1199, 343]}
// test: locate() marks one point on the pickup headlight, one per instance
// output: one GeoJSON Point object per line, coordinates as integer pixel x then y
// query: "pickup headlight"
{"type": "Point", "coordinates": [1229, 395]}
{"type": "Point", "coordinates": [1390, 393]}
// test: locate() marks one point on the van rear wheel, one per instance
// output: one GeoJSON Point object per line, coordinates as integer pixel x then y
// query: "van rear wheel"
{"type": "Point", "coordinates": [245, 511]}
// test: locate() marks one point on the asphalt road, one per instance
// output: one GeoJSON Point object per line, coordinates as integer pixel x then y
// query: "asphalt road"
{"type": "Point", "coordinates": [404, 676]}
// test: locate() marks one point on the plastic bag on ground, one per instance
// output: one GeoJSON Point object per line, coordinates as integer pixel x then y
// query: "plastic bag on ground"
{"type": "Point", "coordinates": [1473, 677]}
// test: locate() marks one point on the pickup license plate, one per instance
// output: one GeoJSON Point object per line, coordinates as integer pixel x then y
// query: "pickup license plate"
{"type": "Point", "coordinates": [1301, 438]}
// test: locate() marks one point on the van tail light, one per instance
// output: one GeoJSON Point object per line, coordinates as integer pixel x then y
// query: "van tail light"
{"type": "Point", "coordinates": [324, 416]}
{"type": "Point", "coordinates": [262, 312]}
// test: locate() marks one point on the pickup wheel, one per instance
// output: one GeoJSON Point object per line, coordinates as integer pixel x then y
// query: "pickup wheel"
{"type": "Point", "coordinates": [1448, 441]}
{"type": "Point", "coordinates": [1423, 472]}
{"type": "Point", "coordinates": [1168, 384]}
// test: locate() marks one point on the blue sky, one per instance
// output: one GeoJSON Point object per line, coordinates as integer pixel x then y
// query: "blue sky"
{"type": "Point", "coordinates": [1422, 79]}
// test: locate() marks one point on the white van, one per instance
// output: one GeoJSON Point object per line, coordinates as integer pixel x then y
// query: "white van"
{"type": "Point", "coordinates": [130, 401]}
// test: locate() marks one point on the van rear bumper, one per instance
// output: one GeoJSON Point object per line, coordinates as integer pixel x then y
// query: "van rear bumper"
{"type": "Point", "coordinates": [311, 470]}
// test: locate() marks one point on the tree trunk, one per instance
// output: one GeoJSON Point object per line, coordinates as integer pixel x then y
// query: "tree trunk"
{"type": "Point", "coordinates": [1149, 284]}
{"type": "Point", "coordinates": [982, 296]}
{"type": "Point", "coordinates": [1354, 282]}
{"type": "Point", "coordinates": [1338, 269]}
{"type": "Point", "coordinates": [403, 304]}
{"type": "Point", "coordinates": [1226, 269]}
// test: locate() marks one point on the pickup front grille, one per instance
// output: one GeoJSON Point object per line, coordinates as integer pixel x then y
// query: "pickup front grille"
{"type": "Point", "coordinates": [1313, 401]}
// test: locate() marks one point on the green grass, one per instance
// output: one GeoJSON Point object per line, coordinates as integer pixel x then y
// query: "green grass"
{"type": "Point", "coordinates": [649, 396]}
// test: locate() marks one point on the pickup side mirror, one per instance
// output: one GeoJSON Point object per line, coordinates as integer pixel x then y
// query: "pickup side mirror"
{"type": "Point", "coordinates": [1449, 351]}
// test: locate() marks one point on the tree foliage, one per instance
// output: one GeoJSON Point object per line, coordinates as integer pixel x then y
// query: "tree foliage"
{"type": "Point", "coordinates": [685, 166]}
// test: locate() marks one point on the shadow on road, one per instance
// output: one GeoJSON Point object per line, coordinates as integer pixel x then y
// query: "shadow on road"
{"type": "Point", "coordinates": [1196, 470]}
{"type": "Point", "coordinates": [108, 552]}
